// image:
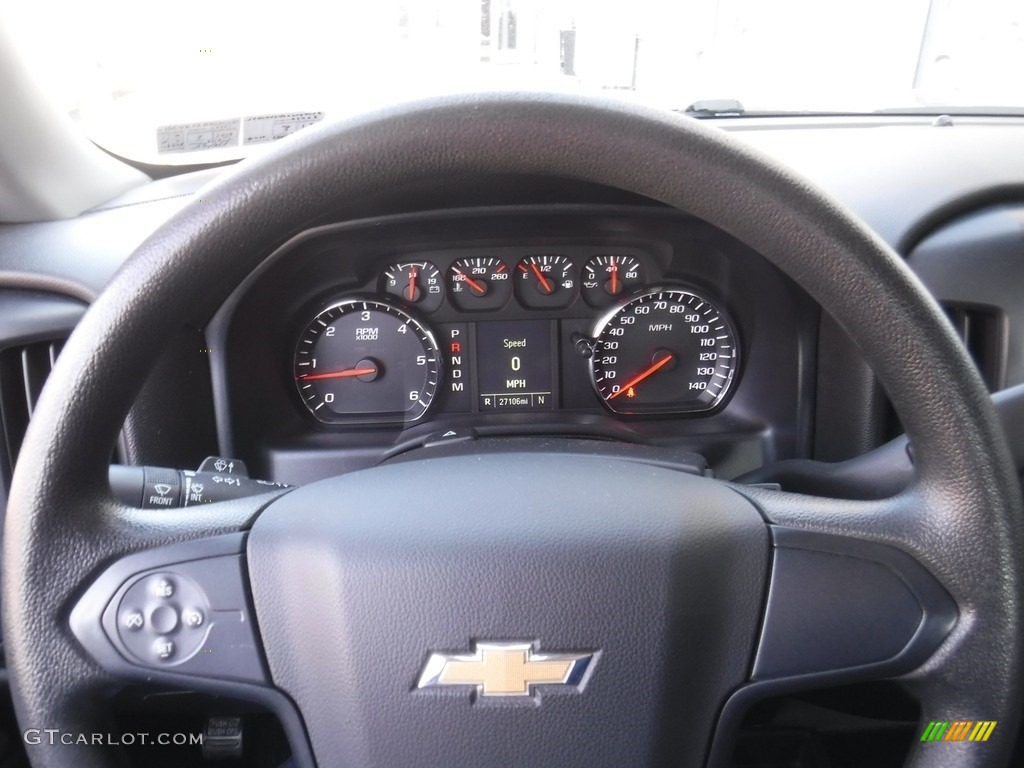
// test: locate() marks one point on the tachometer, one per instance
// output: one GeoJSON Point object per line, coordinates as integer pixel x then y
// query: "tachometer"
{"type": "Point", "coordinates": [666, 351]}
{"type": "Point", "coordinates": [364, 360]}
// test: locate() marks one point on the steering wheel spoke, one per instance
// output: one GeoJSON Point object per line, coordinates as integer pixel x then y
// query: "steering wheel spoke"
{"type": "Point", "coordinates": [172, 596]}
{"type": "Point", "coordinates": [178, 610]}
{"type": "Point", "coordinates": [857, 594]}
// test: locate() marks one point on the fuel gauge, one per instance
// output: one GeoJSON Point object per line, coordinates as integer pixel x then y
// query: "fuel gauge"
{"type": "Point", "coordinates": [546, 282]}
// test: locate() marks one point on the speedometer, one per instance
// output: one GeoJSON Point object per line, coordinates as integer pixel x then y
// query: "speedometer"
{"type": "Point", "coordinates": [668, 350]}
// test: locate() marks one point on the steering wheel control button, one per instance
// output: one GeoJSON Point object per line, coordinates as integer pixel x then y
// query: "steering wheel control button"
{"type": "Point", "coordinates": [151, 614]}
{"type": "Point", "coordinates": [164, 649]}
{"type": "Point", "coordinates": [163, 587]}
{"type": "Point", "coordinates": [183, 608]}
{"type": "Point", "coordinates": [161, 488]}
{"type": "Point", "coordinates": [163, 619]}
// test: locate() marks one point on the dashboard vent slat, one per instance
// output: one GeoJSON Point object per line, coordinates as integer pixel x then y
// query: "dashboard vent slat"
{"type": "Point", "coordinates": [23, 371]}
{"type": "Point", "coordinates": [981, 330]}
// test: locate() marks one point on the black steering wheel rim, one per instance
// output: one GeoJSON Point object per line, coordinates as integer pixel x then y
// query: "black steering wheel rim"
{"type": "Point", "coordinates": [964, 520]}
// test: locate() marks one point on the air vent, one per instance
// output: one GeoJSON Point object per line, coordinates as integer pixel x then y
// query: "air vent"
{"type": "Point", "coordinates": [23, 371]}
{"type": "Point", "coordinates": [981, 330]}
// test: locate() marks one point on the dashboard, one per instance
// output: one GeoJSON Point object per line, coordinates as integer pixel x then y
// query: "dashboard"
{"type": "Point", "coordinates": [636, 324]}
{"type": "Point", "coordinates": [945, 197]}
{"type": "Point", "coordinates": [465, 319]}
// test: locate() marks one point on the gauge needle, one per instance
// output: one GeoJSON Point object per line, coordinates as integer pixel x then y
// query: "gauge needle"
{"type": "Point", "coordinates": [544, 282]}
{"type": "Point", "coordinates": [478, 288]}
{"type": "Point", "coordinates": [413, 274]}
{"type": "Point", "coordinates": [641, 376]}
{"type": "Point", "coordinates": [350, 372]}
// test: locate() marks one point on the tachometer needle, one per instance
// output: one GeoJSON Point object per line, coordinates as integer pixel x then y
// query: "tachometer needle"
{"type": "Point", "coordinates": [478, 288]}
{"type": "Point", "coordinates": [348, 373]}
{"type": "Point", "coordinates": [668, 358]}
{"type": "Point", "coordinates": [545, 284]}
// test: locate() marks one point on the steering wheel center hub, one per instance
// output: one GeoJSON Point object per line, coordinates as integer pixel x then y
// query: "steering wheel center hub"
{"type": "Point", "coordinates": [591, 591]}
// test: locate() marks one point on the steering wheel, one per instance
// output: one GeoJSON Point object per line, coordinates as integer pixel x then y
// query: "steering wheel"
{"type": "Point", "coordinates": [551, 624]}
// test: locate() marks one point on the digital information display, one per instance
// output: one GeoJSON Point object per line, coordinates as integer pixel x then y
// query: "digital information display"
{"type": "Point", "coordinates": [513, 362]}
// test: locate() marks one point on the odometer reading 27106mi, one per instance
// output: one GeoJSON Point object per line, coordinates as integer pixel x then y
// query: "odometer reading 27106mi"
{"type": "Point", "coordinates": [665, 351]}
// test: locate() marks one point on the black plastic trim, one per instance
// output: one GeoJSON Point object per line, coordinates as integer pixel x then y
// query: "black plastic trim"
{"type": "Point", "coordinates": [36, 315]}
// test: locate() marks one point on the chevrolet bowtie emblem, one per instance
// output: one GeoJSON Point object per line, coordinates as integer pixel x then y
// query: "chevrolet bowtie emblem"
{"type": "Point", "coordinates": [507, 669]}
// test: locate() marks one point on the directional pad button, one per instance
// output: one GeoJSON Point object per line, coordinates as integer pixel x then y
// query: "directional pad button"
{"type": "Point", "coordinates": [162, 618]}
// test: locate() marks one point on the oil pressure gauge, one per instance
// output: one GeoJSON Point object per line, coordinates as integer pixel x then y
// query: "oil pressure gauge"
{"type": "Point", "coordinates": [608, 279]}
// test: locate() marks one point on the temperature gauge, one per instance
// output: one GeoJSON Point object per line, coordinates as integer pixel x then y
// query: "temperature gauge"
{"type": "Point", "coordinates": [479, 284]}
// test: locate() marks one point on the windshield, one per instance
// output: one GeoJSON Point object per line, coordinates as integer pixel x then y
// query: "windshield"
{"type": "Point", "coordinates": [190, 82]}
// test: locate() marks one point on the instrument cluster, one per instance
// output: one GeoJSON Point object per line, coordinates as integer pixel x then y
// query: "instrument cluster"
{"type": "Point", "coordinates": [475, 333]}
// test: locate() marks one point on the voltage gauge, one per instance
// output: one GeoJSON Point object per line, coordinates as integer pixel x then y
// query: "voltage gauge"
{"type": "Point", "coordinates": [416, 283]}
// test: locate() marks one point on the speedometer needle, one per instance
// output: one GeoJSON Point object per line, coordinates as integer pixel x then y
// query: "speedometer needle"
{"type": "Point", "coordinates": [668, 358]}
{"type": "Point", "coordinates": [337, 374]}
